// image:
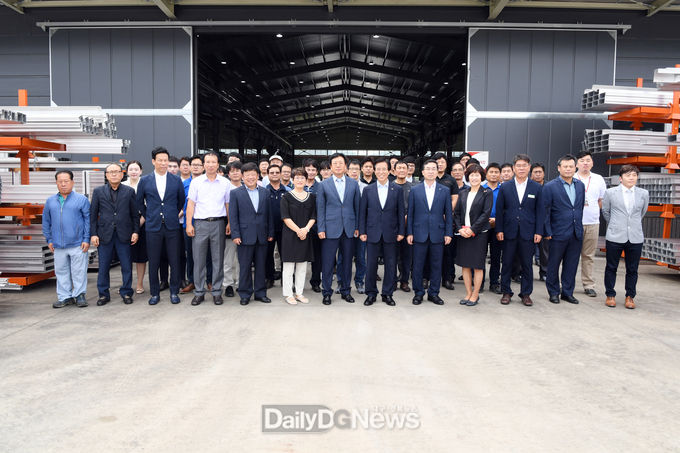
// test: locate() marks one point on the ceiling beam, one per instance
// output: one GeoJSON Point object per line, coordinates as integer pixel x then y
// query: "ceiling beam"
{"type": "Point", "coordinates": [344, 115]}
{"type": "Point", "coordinates": [340, 104]}
{"type": "Point", "coordinates": [495, 8]}
{"type": "Point", "coordinates": [346, 63]}
{"type": "Point", "coordinates": [345, 87]}
{"type": "Point", "coordinates": [353, 125]}
{"type": "Point", "coordinates": [12, 4]}
{"type": "Point", "coordinates": [167, 6]}
{"type": "Point", "coordinates": [657, 6]}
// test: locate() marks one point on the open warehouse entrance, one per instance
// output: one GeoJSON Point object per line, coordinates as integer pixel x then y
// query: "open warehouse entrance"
{"type": "Point", "coordinates": [312, 94]}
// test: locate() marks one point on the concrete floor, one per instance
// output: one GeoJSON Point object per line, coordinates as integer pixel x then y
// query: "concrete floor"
{"type": "Point", "coordinates": [487, 378]}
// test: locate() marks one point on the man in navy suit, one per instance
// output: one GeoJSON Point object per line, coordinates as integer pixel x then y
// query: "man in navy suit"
{"type": "Point", "coordinates": [381, 225]}
{"type": "Point", "coordinates": [337, 208]}
{"type": "Point", "coordinates": [252, 228]}
{"type": "Point", "coordinates": [114, 225]}
{"type": "Point", "coordinates": [160, 198]}
{"type": "Point", "coordinates": [564, 198]}
{"type": "Point", "coordinates": [519, 225]}
{"type": "Point", "coordinates": [429, 225]}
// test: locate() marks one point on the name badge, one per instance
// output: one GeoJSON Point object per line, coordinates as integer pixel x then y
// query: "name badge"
{"type": "Point", "coordinates": [531, 195]}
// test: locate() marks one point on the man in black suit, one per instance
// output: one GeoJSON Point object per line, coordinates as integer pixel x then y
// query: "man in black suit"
{"type": "Point", "coordinates": [252, 228]}
{"type": "Point", "coordinates": [381, 214]}
{"type": "Point", "coordinates": [114, 225]}
{"type": "Point", "coordinates": [160, 198]}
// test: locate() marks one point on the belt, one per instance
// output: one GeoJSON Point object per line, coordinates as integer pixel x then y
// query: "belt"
{"type": "Point", "coordinates": [211, 219]}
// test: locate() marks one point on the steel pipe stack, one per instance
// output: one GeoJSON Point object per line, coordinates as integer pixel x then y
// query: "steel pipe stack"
{"type": "Point", "coordinates": [609, 98]}
{"type": "Point", "coordinates": [43, 186]}
{"type": "Point", "coordinates": [664, 250]}
{"type": "Point", "coordinates": [663, 188]}
{"type": "Point", "coordinates": [617, 141]}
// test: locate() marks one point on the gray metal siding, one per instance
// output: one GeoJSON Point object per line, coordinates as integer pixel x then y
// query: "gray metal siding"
{"type": "Point", "coordinates": [128, 69]}
{"type": "Point", "coordinates": [543, 71]}
{"type": "Point", "coordinates": [24, 61]}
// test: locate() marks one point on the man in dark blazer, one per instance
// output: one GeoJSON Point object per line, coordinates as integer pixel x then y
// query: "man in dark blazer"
{"type": "Point", "coordinates": [381, 225]}
{"type": "Point", "coordinates": [519, 225]}
{"type": "Point", "coordinates": [160, 198]}
{"type": "Point", "coordinates": [252, 228]}
{"type": "Point", "coordinates": [564, 198]}
{"type": "Point", "coordinates": [114, 225]}
{"type": "Point", "coordinates": [337, 213]}
{"type": "Point", "coordinates": [429, 225]}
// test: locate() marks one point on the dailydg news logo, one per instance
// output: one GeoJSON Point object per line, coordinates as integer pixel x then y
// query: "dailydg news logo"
{"type": "Point", "coordinates": [317, 418]}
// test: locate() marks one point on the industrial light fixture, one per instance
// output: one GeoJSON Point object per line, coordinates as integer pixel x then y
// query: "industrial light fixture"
{"type": "Point", "coordinates": [243, 81]}
{"type": "Point", "coordinates": [371, 63]}
{"type": "Point", "coordinates": [464, 64]}
{"type": "Point", "coordinates": [279, 35]}
{"type": "Point", "coordinates": [291, 62]}
{"type": "Point", "coordinates": [301, 82]}
{"type": "Point", "coordinates": [446, 83]}
{"type": "Point", "coordinates": [376, 36]}
{"type": "Point", "coordinates": [223, 62]}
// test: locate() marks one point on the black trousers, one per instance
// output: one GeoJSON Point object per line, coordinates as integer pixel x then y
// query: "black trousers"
{"type": "Point", "coordinates": [247, 255]}
{"type": "Point", "coordinates": [633, 253]}
{"type": "Point", "coordinates": [316, 264]}
{"type": "Point", "coordinates": [405, 257]}
{"type": "Point", "coordinates": [271, 265]}
{"type": "Point", "coordinates": [170, 242]}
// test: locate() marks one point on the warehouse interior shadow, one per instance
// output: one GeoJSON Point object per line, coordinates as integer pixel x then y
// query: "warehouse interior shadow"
{"type": "Point", "coordinates": [372, 93]}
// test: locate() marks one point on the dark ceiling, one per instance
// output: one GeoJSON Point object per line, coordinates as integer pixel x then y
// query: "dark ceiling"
{"type": "Point", "coordinates": [330, 91]}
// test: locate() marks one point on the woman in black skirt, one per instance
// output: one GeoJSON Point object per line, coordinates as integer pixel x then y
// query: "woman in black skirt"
{"type": "Point", "coordinates": [298, 211]}
{"type": "Point", "coordinates": [134, 172]}
{"type": "Point", "coordinates": [471, 218]}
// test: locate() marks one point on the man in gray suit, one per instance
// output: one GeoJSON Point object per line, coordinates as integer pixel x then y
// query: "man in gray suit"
{"type": "Point", "coordinates": [623, 208]}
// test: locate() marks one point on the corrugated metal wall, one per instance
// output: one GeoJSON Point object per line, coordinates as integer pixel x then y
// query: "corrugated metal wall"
{"type": "Point", "coordinates": [24, 59]}
{"type": "Point", "coordinates": [534, 71]}
{"type": "Point", "coordinates": [128, 69]}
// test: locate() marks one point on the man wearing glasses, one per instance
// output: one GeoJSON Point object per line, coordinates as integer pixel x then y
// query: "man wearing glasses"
{"type": "Point", "coordinates": [114, 225]}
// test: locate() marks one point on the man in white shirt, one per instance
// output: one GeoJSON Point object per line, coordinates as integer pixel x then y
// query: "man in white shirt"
{"type": "Point", "coordinates": [208, 206]}
{"type": "Point", "coordinates": [595, 190]}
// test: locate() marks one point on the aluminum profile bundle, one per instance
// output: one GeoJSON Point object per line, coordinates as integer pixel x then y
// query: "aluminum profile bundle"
{"type": "Point", "coordinates": [663, 188]}
{"type": "Point", "coordinates": [663, 250]}
{"type": "Point", "coordinates": [610, 98]}
{"type": "Point", "coordinates": [60, 121]}
{"type": "Point", "coordinates": [86, 145]}
{"type": "Point", "coordinates": [25, 256]}
{"type": "Point", "coordinates": [668, 79]}
{"type": "Point", "coordinates": [50, 162]}
{"type": "Point", "coordinates": [11, 117]}
{"type": "Point", "coordinates": [43, 186]}
{"type": "Point", "coordinates": [615, 141]}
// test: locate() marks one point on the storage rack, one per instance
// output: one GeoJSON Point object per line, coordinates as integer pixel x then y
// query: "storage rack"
{"type": "Point", "coordinates": [24, 132]}
{"type": "Point", "coordinates": [636, 116]}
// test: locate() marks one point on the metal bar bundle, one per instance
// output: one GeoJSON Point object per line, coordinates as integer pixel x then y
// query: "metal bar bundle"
{"type": "Point", "coordinates": [50, 162]}
{"type": "Point", "coordinates": [609, 98]}
{"type": "Point", "coordinates": [615, 141]}
{"type": "Point", "coordinates": [663, 188]}
{"type": "Point", "coordinates": [40, 121]}
{"type": "Point", "coordinates": [25, 256]}
{"type": "Point", "coordinates": [43, 186]}
{"type": "Point", "coordinates": [86, 145]}
{"type": "Point", "coordinates": [667, 78]}
{"type": "Point", "coordinates": [660, 249]}
{"type": "Point", "coordinates": [11, 117]}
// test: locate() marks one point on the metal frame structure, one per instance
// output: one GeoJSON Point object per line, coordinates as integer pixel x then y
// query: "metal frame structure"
{"type": "Point", "coordinates": [495, 7]}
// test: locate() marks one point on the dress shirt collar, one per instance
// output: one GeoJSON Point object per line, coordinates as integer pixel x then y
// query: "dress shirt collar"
{"type": "Point", "coordinates": [386, 185]}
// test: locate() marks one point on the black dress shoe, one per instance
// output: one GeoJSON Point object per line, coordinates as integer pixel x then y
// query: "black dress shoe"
{"type": "Point", "coordinates": [153, 300]}
{"type": "Point", "coordinates": [263, 299]}
{"type": "Point", "coordinates": [554, 298]}
{"type": "Point", "coordinates": [590, 292]}
{"type": "Point", "coordinates": [389, 300]}
{"type": "Point", "coordinates": [163, 286]}
{"type": "Point", "coordinates": [417, 300]}
{"type": "Point", "coordinates": [448, 284]}
{"type": "Point", "coordinates": [229, 292]}
{"type": "Point", "coordinates": [218, 299]}
{"type": "Point", "coordinates": [197, 300]}
{"type": "Point", "coordinates": [316, 288]}
{"type": "Point", "coordinates": [244, 301]}
{"type": "Point", "coordinates": [348, 298]}
{"type": "Point", "coordinates": [326, 300]}
{"type": "Point", "coordinates": [127, 300]}
{"type": "Point", "coordinates": [174, 299]}
{"type": "Point", "coordinates": [541, 278]}
{"type": "Point", "coordinates": [570, 299]}
{"type": "Point", "coordinates": [404, 287]}
{"type": "Point", "coordinates": [103, 300]}
{"type": "Point", "coordinates": [435, 299]}
{"type": "Point", "coordinates": [496, 289]}
{"type": "Point", "coordinates": [369, 300]}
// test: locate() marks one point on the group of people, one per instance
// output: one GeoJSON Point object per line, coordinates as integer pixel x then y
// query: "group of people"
{"type": "Point", "coordinates": [204, 228]}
